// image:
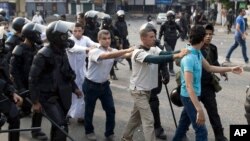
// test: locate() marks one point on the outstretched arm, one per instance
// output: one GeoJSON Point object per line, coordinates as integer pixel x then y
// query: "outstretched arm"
{"type": "Point", "coordinates": [216, 69]}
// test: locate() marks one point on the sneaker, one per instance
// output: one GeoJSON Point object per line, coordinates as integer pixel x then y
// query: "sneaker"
{"type": "Point", "coordinates": [91, 136]}
{"type": "Point", "coordinates": [39, 136]}
{"type": "Point", "coordinates": [124, 139]}
{"type": "Point", "coordinates": [160, 134]}
{"type": "Point", "coordinates": [228, 60]}
{"type": "Point", "coordinates": [110, 138]}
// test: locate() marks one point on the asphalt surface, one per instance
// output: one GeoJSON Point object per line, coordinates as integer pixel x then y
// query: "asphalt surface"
{"type": "Point", "coordinates": [230, 99]}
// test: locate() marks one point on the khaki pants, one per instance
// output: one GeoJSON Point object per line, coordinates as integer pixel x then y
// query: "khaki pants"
{"type": "Point", "coordinates": [141, 114]}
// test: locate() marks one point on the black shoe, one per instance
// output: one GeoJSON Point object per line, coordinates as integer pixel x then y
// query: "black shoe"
{"type": "Point", "coordinates": [113, 77]}
{"type": "Point", "coordinates": [160, 134]}
{"type": "Point", "coordinates": [39, 136]}
{"type": "Point", "coordinates": [221, 138]}
{"type": "Point", "coordinates": [80, 121]}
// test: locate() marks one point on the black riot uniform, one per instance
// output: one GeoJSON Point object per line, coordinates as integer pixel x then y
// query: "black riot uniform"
{"type": "Point", "coordinates": [91, 28]}
{"type": "Point", "coordinates": [122, 28]}
{"type": "Point", "coordinates": [51, 79]}
{"type": "Point", "coordinates": [20, 63]}
{"type": "Point", "coordinates": [115, 39]}
{"type": "Point", "coordinates": [163, 76]}
{"type": "Point", "coordinates": [15, 39]}
{"type": "Point", "coordinates": [169, 31]}
{"type": "Point", "coordinates": [7, 106]}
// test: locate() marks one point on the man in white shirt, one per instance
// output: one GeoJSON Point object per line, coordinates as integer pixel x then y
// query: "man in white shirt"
{"type": "Point", "coordinates": [77, 56]}
{"type": "Point", "coordinates": [37, 18]}
{"type": "Point", "coordinates": [96, 84]}
{"type": "Point", "coordinates": [144, 78]}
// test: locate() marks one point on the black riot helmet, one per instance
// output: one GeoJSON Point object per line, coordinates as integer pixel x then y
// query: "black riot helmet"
{"type": "Point", "coordinates": [2, 12]}
{"type": "Point", "coordinates": [175, 97]}
{"type": "Point", "coordinates": [91, 17]}
{"type": "Point", "coordinates": [18, 23]}
{"type": "Point", "coordinates": [106, 22]}
{"type": "Point", "coordinates": [57, 33]}
{"type": "Point", "coordinates": [120, 15]}
{"type": "Point", "coordinates": [170, 16]}
{"type": "Point", "coordinates": [32, 31]}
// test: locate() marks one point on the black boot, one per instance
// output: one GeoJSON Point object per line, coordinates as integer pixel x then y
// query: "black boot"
{"type": "Point", "coordinates": [160, 133]}
{"type": "Point", "coordinates": [219, 135]}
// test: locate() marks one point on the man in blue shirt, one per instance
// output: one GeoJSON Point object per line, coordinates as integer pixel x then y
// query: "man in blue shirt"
{"type": "Point", "coordinates": [240, 37]}
{"type": "Point", "coordinates": [191, 70]}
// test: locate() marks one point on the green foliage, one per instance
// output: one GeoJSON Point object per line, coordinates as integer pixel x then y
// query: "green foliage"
{"type": "Point", "coordinates": [226, 3]}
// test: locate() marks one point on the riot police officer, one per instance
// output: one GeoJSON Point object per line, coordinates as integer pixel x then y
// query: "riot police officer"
{"type": "Point", "coordinates": [8, 96]}
{"type": "Point", "coordinates": [115, 39]}
{"type": "Point", "coordinates": [169, 31]}
{"type": "Point", "coordinates": [91, 26]}
{"type": "Point", "coordinates": [15, 39]}
{"type": "Point", "coordinates": [20, 63]}
{"type": "Point", "coordinates": [3, 13]}
{"type": "Point", "coordinates": [51, 79]}
{"type": "Point", "coordinates": [122, 28]}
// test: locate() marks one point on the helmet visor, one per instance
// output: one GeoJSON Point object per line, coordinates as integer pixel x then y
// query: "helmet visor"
{"type": "Point", "coordinates": [63, 26]}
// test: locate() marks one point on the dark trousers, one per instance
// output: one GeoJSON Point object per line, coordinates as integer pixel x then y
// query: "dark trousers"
{"type": "Point", "coordinates": [101, 91]}
{"type": "Point", "coordinates": [154, 105]}
{"type": "Point", "coordinates": [13, 119]}
{"type": "Point", "coordinates": [208, 98]}
{"type": "Point", "coordinates": [55, 111]}
{"type": "Point", "coordinates": [36, 117]}
{"type": "Point", "coordinates": [170, 46]}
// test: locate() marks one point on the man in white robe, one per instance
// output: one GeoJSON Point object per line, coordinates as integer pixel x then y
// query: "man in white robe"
{"type": "Point", "coordinates": [77, 56]}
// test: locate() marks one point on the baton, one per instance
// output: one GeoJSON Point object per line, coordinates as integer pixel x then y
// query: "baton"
{"type": "Point", "coordinates": [48, 118]}
{"type": "Point", "coordinates": [18, 130]}
{"type": "Point", "coordinates": [172, 110]}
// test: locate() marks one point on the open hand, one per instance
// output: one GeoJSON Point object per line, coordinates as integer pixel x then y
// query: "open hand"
{"type": "Point", "coordinates": [183, 52]}
{"type": "Point", "coordinates": [237, 70]}
{"type": "Point", "coordinates": [78, 93]}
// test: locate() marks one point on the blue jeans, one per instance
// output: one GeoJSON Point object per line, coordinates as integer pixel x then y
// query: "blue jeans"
{"type": "Point", "coordinates": [94, 91]}
{"type": "Point", "coordinates": [238, 41]}
{"type": "Point", "coordinates": [188, 116]}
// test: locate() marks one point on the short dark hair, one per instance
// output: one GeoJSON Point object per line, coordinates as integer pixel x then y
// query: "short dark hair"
{"type": "Point", "coordinates": [209, 27]}
{"type": "Point", "coordinates": [197, 34]}
{"type": "Point", "coordinates": [79, 25]}
{"type": "Point", "coordinates": [81, 14]}
{"type": "Point", "coordinates": [102, 32]}
{"type": "Point", "coordinates": [240, 10]}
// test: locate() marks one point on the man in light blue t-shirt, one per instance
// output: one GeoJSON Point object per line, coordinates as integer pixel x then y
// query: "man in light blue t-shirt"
{"type": "Point", "coordinates": [191, 70]}
{"type": "Point", "coordinates": [240, 37]}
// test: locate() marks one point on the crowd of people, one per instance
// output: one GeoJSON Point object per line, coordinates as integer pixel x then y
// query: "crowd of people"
{"type": "Point", "coordinates": [65, 76]}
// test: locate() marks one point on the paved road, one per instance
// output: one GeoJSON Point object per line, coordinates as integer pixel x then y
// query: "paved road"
{"type": "Point", "coordinates": [230, 99]}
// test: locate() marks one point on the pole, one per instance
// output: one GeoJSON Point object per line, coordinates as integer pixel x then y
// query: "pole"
{"type": "Point", "coordinates": [235, 7]}
{"type": "Point", "coordinates": [19, 130]}
{"type": "Point", "coordinates": [172, 110]}
{"type": "Point", "coordinates": [48, 118]}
